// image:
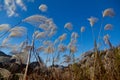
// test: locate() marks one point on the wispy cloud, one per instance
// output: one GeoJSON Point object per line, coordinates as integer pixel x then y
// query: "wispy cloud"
{"type": "Point", "coordinates": [11, 6]}
{"type": "Point", "coordinates": [21, 4]}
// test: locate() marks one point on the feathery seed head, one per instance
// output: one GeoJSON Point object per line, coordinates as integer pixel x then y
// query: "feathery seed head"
{"type": "Point", "coordinates": [108, 27]}
{"type": "Point", "coordinates": [43, 7]}
{"type": "Point", "coordinates": [68, 26]}
{"type": "Point", "coordinates": [108, 12]}
{"type": "Point", "coordinates": [92, 20]}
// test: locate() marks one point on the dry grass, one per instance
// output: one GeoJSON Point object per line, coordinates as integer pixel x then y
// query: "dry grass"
{"type": "Point", "coordinates": [106, 67]}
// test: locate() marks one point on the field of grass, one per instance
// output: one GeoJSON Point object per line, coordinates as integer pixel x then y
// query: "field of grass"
{"type": "Point", "coordinates": [100, 65]}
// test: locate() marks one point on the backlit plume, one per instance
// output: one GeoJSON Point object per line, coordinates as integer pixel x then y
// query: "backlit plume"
{"type": "Point", "coordinates": [40, 35]}
{"type": "Point", "coordinates": [18, 32]}
{"type": "Point", "coordinates": [108, 27]}
{"type": "Point", "coordinates": [106, 38]}
{"type": "Point", "coordinates": [74, 35]}
{"type": "Point", "coordinates": [82, 29]}
{"type": "Point", "coordinates": [108, 12]}
{"type": "Point", "coordinates": [5, 41]}
{"type": "Point", "coordinates": [68, 26]}
{"type": "Point", "coordinates": [92, 20]}
{"type": "Point", "coordinates": [49, 49]}
{"type": "Point", "coordinates": [62, 48]}
{"type": "Point", "coordinates": [43, 7]}
{"type": "Point", "coordinates": [73, 49]}
{"type": "Point", "coordinates": [4, 27]}
{"type": "Point", "coordinates": [35, 19]}
{"type": "Point", "coordinates": [63, 37]}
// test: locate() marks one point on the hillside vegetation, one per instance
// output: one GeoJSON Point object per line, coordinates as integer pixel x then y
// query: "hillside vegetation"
{"type": "Point", "coordinates": [100, 65]}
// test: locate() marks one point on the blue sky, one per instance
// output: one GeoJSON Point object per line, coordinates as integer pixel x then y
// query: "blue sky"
{"type": "Point", "coordinates": [74, 11]}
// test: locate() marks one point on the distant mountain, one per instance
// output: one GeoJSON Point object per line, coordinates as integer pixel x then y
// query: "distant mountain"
{"type": "Point", "coordinates": [4, 57]}
{"type": "Point", "coordinates": [3, 54]}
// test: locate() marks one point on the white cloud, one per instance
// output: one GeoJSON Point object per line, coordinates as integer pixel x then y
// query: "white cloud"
{"type": "Point", "coordinates": [21, 4]}
{"type": "Point", "coordinates": [10, 6]}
